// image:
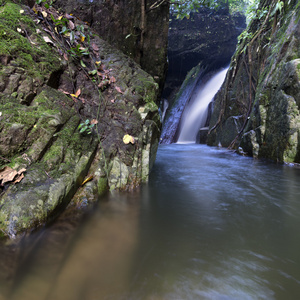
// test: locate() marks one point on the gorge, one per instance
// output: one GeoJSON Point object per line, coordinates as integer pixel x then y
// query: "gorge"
{"type": "Point", "coordinates": [206, 223]}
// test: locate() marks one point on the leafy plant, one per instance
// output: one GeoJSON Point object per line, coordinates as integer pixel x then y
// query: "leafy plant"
{"type": "Point", "coordinates": [86, 127]}
{"type": "Point", "coordinates": [78, 51]}
{"type": "Point", "coordinates": [46, 4]}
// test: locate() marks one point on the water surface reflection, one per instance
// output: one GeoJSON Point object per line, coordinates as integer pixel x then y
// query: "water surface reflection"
{"type": "Point", "coordinates": [209, 225]}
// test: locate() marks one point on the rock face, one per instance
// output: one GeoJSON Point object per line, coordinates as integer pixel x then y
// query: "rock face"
{"type": "Point", "coordinates": [258, 106]}
{"type": "Point", "coordinates": [136, 29]}
{"type": "Point", "coordinates": [49, 84]}
{"type": "Point", "coordinates": [198, 45]}
{"type": "Point", "coordinates": [208, 37]}
{"type": "Point", "coordinates": [169, 132]}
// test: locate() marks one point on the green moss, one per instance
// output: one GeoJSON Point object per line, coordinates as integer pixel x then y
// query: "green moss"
{"type": "Point", "coordinates": [102, 186]}
{"type": "Point", "coordinates": [36, 57]}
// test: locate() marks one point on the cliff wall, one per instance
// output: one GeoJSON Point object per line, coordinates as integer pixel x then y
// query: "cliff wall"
{"type": "Point", "coordinates": [257, 109]}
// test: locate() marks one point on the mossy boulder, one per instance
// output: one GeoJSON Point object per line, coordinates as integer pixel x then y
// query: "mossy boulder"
{"type": "Point", "coordinates": [40, 113]}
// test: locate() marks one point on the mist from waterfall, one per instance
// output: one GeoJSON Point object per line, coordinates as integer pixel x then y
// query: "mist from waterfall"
{"type": "Point", "coordinates": [195, 114]}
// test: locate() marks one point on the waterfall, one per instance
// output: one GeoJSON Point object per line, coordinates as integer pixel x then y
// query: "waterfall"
{"type": "Point", "coordinates": [195, 113]}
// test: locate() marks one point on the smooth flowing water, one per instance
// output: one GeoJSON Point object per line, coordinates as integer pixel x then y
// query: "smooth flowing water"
{"type": "Point", "coordinates": [195, 114]}
{"type": "Point", "coordinates": [209, 225]}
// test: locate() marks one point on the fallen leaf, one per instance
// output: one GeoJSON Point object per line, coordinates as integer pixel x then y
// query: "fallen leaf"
{"type": "Point", "coordinates": [112, 79]}
{"type": "Point", "coordinates": [112, 100]}
{"type": "Point", "coordinates": [119, 90]}
{"type": "Point", "coordinates": [71, 25]}
{"type": "Point", "coordinates": [66, 57]}
{"type": "Point", "coordinates": [21, 171]}
{"type": "Point", "coordinates": [21, 11]}
{"type": "Point", "coordinates": [67, 93]}
{"type": "Point", "coordinates": [98, 62]}
{"type": "Point", "coordinates": [7, 174]}
{"type": "Point", "coordinates": [47, 40]}
{"type": "Point", "coordinates": [44, 14]}
{"type": "Point", "coordinates": [95, 47]}
{"type": "Point", "coordinates": [128, 139]}
{"type": "Point", "coordinates": [19, 178]}
{"type": "Point", "coordinates": [19, 30]}
{"type": "Point", "coordinates": [94, 121]}
{"type": "Point", "coordinates": [87, 180]}
{"type": "Point", "coordinates": [82, 38]}
{"type": "Point", "coordinates": [78, 93]}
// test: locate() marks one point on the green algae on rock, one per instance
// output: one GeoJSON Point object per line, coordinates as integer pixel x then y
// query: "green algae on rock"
{"type": "Point", "coordinates": [39, 122]}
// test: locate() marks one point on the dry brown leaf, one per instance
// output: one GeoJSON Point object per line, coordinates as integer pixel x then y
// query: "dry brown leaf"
{"type": "Point", "coordinates": [67, 93]}
{"type": "Point", "coordinates": [21, 171]}
{"type": "Point", "coordinates": [112, 100]}
{"type": "Point", "coordinates": [19, 178]}
{"type": "Point", "coordinates": [94, 121]}
{"type": "Point", "coordinates": [78, 92]}
{"type": "Point", "coordinates": [7, 174]}
{"type": "Point", "coordinates": [95, 47]}
{"type": "Point", "coordinates": [119, 90]}
{"type": "Point", "coordinates": [112, 79]}
{"type": "Point", "coordinates": [71, 25]}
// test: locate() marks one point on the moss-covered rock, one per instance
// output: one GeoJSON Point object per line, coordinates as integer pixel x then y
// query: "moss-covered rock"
{"type": "Point", "coordinates": [40, 114]}
{"type": "Point", "coordinates": [262, 88]}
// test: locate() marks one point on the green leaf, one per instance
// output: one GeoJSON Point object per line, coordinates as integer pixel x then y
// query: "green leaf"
{"type": "Point", "coordinates": [82, 64]}
{"type": "Point", "coordinates": [72, 36]}
{"type": "Point", "coordinates": [94, 72]}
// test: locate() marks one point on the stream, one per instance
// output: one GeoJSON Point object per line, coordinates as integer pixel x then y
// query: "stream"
{"type": "Point", "coordinates": [209, 225]}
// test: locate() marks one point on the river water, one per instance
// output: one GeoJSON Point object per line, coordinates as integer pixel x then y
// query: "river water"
{"type": "Point", "coordinates": [209, 225]}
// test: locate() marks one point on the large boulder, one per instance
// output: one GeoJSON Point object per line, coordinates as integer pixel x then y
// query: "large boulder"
{"type": "Point", "coordinates": [258, 107]}
{"type": "Point", "coordinates": [51, 83]}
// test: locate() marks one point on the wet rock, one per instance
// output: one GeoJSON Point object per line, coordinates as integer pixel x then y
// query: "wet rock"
{"type": "Point", "coordinates": [268, 107]}
{"type": "Point", "coordinates": [39, 123]}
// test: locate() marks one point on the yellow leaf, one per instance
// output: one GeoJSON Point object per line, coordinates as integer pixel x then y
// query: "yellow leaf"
{"type": "Point", "coordinates": [87, 180]}
{"type": "Point", "coordinates": [128, 139]}
{"type": "Point", "coordinates": [60, 17]}
{"type": "Point", "coordinates": [44, 14]}
{"type": "Point", "coordinates": [73, 95]}
{"type": "Point", "coordinates": [98, 62]}
{"type": "Point", "coordinates": [82, 38]}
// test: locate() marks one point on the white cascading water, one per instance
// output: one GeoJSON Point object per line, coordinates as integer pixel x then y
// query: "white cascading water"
{"type": "Point", "coordinates": [195, 114]}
